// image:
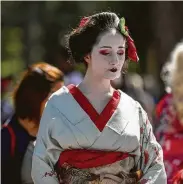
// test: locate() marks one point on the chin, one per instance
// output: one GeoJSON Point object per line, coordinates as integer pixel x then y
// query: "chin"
{"type": "Point", "coordinates": [113, 76]}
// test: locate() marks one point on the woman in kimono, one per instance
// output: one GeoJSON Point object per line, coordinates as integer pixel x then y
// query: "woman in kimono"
{"type": "Point", "coordinates": [92, 133]}
{"type": "Point", "coordinates": [169, 112]}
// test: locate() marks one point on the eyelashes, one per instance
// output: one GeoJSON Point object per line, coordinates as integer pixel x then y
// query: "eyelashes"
{"type": "Point", "coordinates": [104, 52]}
{"type": "Point", "coordinates": [107, 52]}
{"type": "Point", "coordinates": [120, 52]}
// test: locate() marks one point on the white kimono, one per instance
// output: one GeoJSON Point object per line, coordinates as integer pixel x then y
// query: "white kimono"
{"type": "Point", "coordinates": [70, 122]}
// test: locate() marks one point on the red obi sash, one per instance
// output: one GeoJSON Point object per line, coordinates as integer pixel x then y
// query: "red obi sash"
{"type": "Point", "coordinates": [83, 159]}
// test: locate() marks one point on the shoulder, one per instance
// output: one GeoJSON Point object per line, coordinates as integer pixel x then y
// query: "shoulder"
{"type": "Point", "coordinates": [60, 95]}
{"type": "Point", "coordinates": [130, 106]}
{"type": "Point", "coordinates": [63, 101]}
{"type": "Point", "coordinates": [55, 105]}
{"type": "Point", "coordinates": [5, 134]}
{"type": "Point", "coordinates": [57, 99]}
{"type": "Point", "coordinates": [128, 101]}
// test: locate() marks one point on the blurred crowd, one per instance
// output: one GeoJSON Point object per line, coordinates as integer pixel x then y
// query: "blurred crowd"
{"type": "Point", "coordinates": [21, 112]}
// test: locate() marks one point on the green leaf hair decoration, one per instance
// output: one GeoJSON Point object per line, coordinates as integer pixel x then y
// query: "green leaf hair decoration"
{"type": "Point", "coordinates": [122, 27]}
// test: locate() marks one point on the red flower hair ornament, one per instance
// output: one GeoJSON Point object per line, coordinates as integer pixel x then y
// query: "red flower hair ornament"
{"type": "Point", "coordinates": [132, 51]}
{"type": "Point", "coordinates": [83, 21]}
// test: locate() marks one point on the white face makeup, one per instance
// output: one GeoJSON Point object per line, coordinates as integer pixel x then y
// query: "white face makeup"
{"type": "Point", "coordinates": [108, 55]}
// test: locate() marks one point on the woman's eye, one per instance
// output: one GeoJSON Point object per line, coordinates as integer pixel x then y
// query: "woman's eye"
{"type": "Point", "coordinates": [104, 52]}
{"type": "Point", "coordinates": [120, 52]}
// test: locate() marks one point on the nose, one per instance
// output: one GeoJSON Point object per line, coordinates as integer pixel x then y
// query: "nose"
{"type": "Point", "coordinates": [114, 60]}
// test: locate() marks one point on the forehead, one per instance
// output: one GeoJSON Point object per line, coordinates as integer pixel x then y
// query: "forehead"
{"type": "Point", "coordinates": [111, 38]}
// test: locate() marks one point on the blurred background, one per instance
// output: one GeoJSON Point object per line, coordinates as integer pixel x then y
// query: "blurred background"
{"type": "Point", "coordinates": [32, 31]}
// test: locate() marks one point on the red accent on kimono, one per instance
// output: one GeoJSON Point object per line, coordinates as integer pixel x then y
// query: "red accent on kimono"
{"type": "Point", "coordinates": [141, 130]}
{"type": "Point", "coordinates": [100, 120]}
{"type": "Point", "coordinates": [90, 158]}
{"type": "Point", "coordinates": [146, 156]}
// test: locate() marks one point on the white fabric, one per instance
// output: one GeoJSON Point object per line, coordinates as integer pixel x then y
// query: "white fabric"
{"type": "Point", "coordinates": [27, 164]}
{"type": "Point", "coordinates": [64, 125]}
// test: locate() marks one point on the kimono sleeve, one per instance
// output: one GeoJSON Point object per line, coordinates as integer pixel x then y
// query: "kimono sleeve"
{"type": "Point", "coordinates": [151, 161]}
{"type": "Point", "coordinates": [47, 149]}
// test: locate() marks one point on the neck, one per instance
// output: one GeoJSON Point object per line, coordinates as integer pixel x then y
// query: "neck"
{"type": "Point", "coordinates": [95, 84]}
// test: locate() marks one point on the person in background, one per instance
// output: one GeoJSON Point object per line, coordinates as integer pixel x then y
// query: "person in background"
{"type": "Point", "coordinates": [60, 59]}
{"type": "Point", "coordinates": [166, 77]}
{"type": "Point", "coordinates": [169, 113]}
{"type": "Point", "coordinates": [92, 133]}
{"type": "Point", "coordinates": [17, 137]}
{"type": "Point", "coordinates": [6, 106]}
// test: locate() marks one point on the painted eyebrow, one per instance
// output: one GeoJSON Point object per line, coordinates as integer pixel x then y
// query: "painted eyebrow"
{"type": "Point", "coordinates": [120, 47]}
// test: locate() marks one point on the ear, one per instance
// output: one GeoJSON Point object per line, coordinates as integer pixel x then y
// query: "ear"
{"type": "Point", "coordinates": [87, 58]}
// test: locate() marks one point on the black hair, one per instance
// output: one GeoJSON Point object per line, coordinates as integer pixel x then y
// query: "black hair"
{"type": "Point", "coordinates": [81, 40]}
